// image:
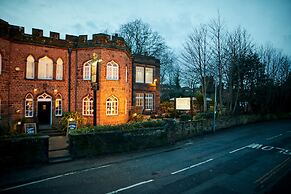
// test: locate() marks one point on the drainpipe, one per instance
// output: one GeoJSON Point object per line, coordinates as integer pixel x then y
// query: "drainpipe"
{"type": "Point", "coordinates": [69, 79]}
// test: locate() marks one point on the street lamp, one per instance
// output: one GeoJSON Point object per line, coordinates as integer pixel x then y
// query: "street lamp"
{"type": "Point", "coordinates": [95, 83]}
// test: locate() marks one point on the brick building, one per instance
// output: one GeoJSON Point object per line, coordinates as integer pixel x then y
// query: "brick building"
{"type": "Point", "coordinates": [43, 77]}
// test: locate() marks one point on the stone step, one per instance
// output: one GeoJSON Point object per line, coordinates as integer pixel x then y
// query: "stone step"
{"type": "Point", "coordinates": [59, 153]}
{"type": "Point", "coordinates": [52, 132]}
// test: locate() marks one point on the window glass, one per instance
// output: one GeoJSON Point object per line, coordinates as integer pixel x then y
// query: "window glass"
{"type": "Point", "coordinates": [45, 68]}
{"type": "Point", "coordinates": [29, 105]}
{"type": "Point", "coordinates": [59, 106]}
{"type": "Point", "coordinates": [139, 99]}
{"type": "Point", "coordinates": [149, 75]}
{"type": "Point", "coordinates": [139, 74]}
{"type": "Point", "coordinates": [149, 101]}
{"type": "Point", "coordinates": [88, 106]}
{"type": "Point", "coordinates": [59, 71]}
{"type": "Point", "coordinates": [112, 71]}
{"type": "Point", "coordinates": [30, 67]}
{"type": "Point", "coordinates": [112, 106]}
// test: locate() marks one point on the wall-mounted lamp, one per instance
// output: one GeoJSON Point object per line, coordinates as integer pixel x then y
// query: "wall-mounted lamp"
{"type": "Point", "coordinates": [34, 90]}
{"type": "Point", "coordinates": [17, 111]}
{"type": "Point", "coordinates": [55, 91]}
{"type": "Point", "coordinates": [17, 68]}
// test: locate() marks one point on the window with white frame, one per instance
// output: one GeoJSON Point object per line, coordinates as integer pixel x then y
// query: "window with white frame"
{"type": "Point", "coordinates": [87, 106]}
{"type": "Point", "coordinates": [149, 75]}
{"type": "Point", "coordinates": [45, 68]}
{"type": "Point", "coordinates": [29, 105]}
{"type": "Point", "coordinates": [112, 71]}
{"type": "Point", "coordinates": [139, 99]}
{"type": "Point", "coordinates": [59, 69]}
{"type": "Point", "coordinates": [29, 67]}
{"type": "Point", "coordinates": [112, 106]}
{"type": "Point", "coordinates": [0, 64]}
{"type": "Point", "coordinates": [139, 75]}
{"type": "Point", "coordinates": [149, 101]}
{"type": "Point", "coordinates": [87, 71]}
{"type": "Point", "coordinates": [59, 106]}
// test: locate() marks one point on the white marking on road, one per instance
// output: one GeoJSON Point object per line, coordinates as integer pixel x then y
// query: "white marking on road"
{"type": "Point", "coordinates": [273, 137]}
{"type": "Point", "coordinates": [131, 186]}
{"type": "Point", "coordinates": [195, 165]}
{"type": "Point", "coordinates": [237, 149]}
{"type": "Point", "coordinates": [54, 177]}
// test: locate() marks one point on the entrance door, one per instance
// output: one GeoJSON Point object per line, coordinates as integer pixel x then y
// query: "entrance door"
{"type": "Point", "coordinates": [44, 113]}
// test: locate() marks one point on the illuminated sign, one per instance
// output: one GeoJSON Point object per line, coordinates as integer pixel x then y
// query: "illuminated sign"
{"type": "Point", "coordinates": [183, 103]}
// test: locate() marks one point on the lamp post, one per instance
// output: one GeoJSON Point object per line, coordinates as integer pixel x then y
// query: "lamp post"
{"type": "Point", "coordinates": [95, 84]}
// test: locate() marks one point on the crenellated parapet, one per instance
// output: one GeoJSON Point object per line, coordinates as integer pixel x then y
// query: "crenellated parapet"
{"type": "Point", "coordinates": [17, 34]}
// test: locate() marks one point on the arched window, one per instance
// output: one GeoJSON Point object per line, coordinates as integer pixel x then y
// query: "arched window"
{"type": "Point", "coordinates": [59, 71]}
{"type": "Point", "coordinates": [29, 105]}
{"type": "Point", "coordinates": [111, 106]}
{"type": "Point", "coordinates": [87, 71]}
{"type": "Point", "coordinates": [112, 71]}
{"type": "Point", "coordinates": [59, 105]}
{"type": "Point", "coordinates": [29, 67]}
{"type": "Point", "coordinates": [0, 63]}
{"type": "Point", "coordinates": [87, 106]}
{"type": "Point", "coordinates": [45, 68]}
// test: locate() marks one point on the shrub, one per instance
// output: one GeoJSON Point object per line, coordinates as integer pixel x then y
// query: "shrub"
{"type": "Point", "coordinates": [122, 127]}
{"type": "Point", "coordinates": [185, 117]}
{"type": "Point", "coordinates": [71, 115]}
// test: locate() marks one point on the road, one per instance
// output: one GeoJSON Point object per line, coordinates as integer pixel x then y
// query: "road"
{"type": "Point", "coordinates": [245, 159]}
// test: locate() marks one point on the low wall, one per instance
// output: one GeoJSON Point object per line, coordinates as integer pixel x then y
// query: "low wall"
{"type": "Point", "coordinates": [17, 151]}
{"type": "Point", "coordinates": [93, 144]}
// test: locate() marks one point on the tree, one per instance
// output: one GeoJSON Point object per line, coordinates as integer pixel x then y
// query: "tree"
{"type": "Point", "coordinates": [141, 39]}
{"type": "Point", "coordinates": [195, 58]}
{"type": "Point", "coordinates": [217, 36]}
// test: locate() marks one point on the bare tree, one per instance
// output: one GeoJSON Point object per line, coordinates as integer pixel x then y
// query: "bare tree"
{"type": "Point", "coordinates": [141, 39]}
{"type": "Point", "coordinates": [195, 58]}
{"type": "Point", "coordinates": [217, 36]}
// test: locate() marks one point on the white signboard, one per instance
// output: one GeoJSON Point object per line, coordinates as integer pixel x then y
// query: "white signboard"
{"type": "Point", "coordinates": [183, 103]}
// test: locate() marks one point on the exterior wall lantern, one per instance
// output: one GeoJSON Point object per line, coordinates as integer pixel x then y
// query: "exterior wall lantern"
{"type": "Point", "coordinates": [95, 83]}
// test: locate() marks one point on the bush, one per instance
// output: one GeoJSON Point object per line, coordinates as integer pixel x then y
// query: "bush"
{"type": "Point", "coordinates": [122, 127]}
{"type": "Point", "coordinates": [71, 115]}
{"type": "Point", "coordinates": [185, 117]}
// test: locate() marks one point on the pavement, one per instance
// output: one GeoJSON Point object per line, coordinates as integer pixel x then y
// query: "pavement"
{"type": "Point", "coordinates": [245, 159]}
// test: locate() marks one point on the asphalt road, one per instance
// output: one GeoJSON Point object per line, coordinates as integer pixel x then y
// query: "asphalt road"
{"type": "Point", "coordinates": [246, 159]}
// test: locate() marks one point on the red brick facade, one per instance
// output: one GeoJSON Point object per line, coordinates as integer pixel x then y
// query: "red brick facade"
{"type": "Point", "coordinates": [74, 51]}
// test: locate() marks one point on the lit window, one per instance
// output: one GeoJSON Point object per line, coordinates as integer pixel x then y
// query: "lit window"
{"type": "Point", "coordinates": [59, 105]}
{"type": "Point", "coordinates": [112, 71]}
{"type": "Point", "coordinates": [45, 68]}
{"type": "Point", "coordinates": [125, 107]}
{"type": "Point", "coordinates": [87, 71]}
{"type": "Point", "coordinates": [30, 67]}
{"type": "Point", "coordinates": [29, 105]}
{"type": "Point", "coordinates": [126, 74]}
{"type": "Point", "coordinates": [139, 99]}
{"type": "Point", "coordinates": [59, 71]}
{"type": "Point", "coordinates": [0, 63]}
{"type": "Point", "coordinates": [149, 75]}
{"type": "Point", "coordinates": [149, 101]}
{"type": "Point", "coordinates": [88, 106]}
{"type": "Point", "coordinates": [139, 74]}
{"type": "Point", "coordinates": [112, 106]}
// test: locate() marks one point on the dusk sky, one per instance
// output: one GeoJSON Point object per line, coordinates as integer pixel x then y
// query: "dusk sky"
{"type": "Point", "coordinates": [268, 21]}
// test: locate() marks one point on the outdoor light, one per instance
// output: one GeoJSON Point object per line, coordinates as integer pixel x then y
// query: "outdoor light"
{"type": "Point", "coordinates": [34, 90]}
{"type": "Point", "coordinates": [17, 68]}
{"type": "Point", "coordinates": [55, 91]}
{"type": "Point", "coordinates": [17, 111]}
{"type": "Point", "coordinates": [71, 119]}
{"type": "Point", "coordinates": [19, 123]}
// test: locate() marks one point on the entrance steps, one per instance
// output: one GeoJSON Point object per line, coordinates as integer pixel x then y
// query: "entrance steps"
{"type": "Point", "coordinates": [59, 149]}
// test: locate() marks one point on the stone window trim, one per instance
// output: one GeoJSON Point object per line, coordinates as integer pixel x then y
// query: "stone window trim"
{"type": "Point", "coordinates": [112, 71]}
{"type": "Point", "coordinates": [29, 105]}
{"type": "Point", "coordinates": [87, 106]}
{"type": "Point", "coordinates": [112, 106]}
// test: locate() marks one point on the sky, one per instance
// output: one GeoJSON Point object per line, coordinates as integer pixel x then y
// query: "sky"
{"type": "Point", "coordinates": [268, 21]}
